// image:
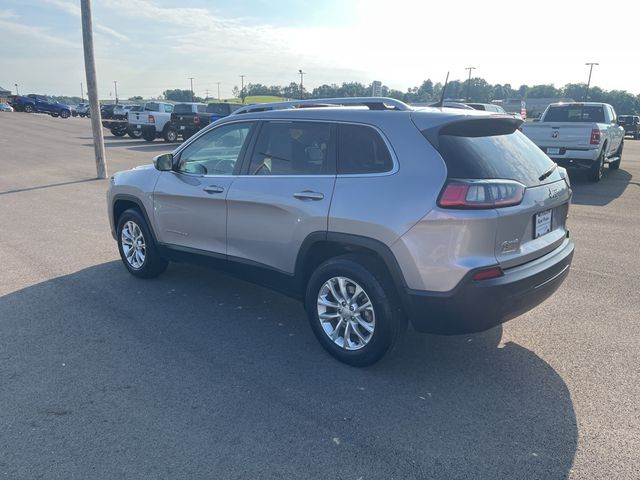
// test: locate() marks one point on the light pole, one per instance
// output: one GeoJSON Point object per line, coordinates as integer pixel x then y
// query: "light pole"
{"type": "Point", "coordinates": [191, 80]}
{"type": "Point", "coordinates": [469, 81]}
{"type": "Point", "coordinates": [242, 87]}
{"type": "Point", "coordinates": [586, 93]}
{"type": "Point", "coordinates": [302, 74]}
{"type": "Point", "coordinates": [81, 93]}
{"type": "Point", "coordinates": [17, 92]}
{"type": "Point", "coordinates": [218, 84]}
{"type": "Point", "coordinates": [115, 88]}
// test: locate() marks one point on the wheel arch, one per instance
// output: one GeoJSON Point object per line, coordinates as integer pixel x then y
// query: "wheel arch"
{"type": "Point", "coordinates": [321, 246]}
{"type": "Point", "coordinates": [123, 202]}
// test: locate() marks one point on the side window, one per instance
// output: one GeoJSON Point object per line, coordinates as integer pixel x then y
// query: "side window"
{"type": "Point", "coordinates": [294, 148]}
{"type": "Point", "coordinates": [216, 152]}
{"type": "Point", "coordinates": [168, 108]}
{"type": "Point", "coordinates": [361, 150]}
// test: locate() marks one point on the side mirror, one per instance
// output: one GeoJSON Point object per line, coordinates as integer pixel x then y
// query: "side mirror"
{"type": "Point", "coordinates": [164, 162]}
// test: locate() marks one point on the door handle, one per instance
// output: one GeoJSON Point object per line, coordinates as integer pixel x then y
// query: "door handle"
{"type": "Point", "coordinates": [308, 195]}
{"type": "Point", "coordinates": [211, 189]}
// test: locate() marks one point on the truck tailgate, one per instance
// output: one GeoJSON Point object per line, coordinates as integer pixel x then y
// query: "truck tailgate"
{"type": "Point", "coordinates": [559, 134]}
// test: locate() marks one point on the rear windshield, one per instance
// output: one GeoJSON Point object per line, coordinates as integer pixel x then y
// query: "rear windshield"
{"type": "Point", "coordinates": [218, 108]}
{"type": "Point", "coordinates": [575, 113]}
{"type": "Point", "coordinates": [509, 157]}
{"type": "Point", "coordinates": [183, 108]}
{"type": "Point", "coordinates": [152, 107]}
{"type": "Point", "coordinates": [625, 120]}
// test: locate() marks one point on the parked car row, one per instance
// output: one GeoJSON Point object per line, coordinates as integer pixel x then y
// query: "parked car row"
{"type": "Point", "coordinates": [163, 119]}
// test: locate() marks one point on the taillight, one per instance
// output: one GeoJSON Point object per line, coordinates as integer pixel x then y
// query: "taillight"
{"type": "Point", "coordinates": [479, 194]}
{"type": "Point", "coordinates": [152, 119]}
{"type": "Point", "coordinates": [487, 273]}
{"type": "Point", "coordinates": [196, 119]}
{"type": "Point", "coordinates": [595, 137]}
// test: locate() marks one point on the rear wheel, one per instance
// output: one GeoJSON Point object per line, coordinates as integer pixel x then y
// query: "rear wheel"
{"type": "Point", "coordinates": [134, 133]}
{"type": "Point", "coordinates": [65, 114]}
{"type": "Point", "coordinates": [616, 165]}
{"type": "Point", "coordinates": [597, 169]}
{"type": "Point", "coordinates": [170, 135]}
{"type": "Point", "coordinates": [119, 132]}
{"type": "Point", "coordinates": [137, 248]}
{"type": "Point", "coordinates": [149, 135]}
{"type": "Point", "coordinates": [352, 309]}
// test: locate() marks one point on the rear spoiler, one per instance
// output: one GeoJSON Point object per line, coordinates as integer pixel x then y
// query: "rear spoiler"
{"type": "Point", "coordinates": [481, 126]}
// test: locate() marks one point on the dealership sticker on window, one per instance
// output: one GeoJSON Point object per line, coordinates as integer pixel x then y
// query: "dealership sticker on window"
{"type": "Point", "coordinates": [542, 223]}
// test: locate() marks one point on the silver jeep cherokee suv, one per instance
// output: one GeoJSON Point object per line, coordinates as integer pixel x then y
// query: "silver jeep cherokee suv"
{"type": "Point", "coordinates": [372, 213]}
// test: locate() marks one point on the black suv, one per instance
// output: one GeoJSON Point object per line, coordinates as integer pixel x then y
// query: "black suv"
{"type": "Point", "coordinates": [631, 125]}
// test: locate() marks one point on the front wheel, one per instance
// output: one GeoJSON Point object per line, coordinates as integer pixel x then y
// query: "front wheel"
{"type": "Point", "coordinates": [352, 309]}
{"type": "Point", "coordinates": [137, 248]}
{"type": "Point", "coordinates": [65, 114]}
{"type": "Point", "coordinates": [29, 108]}
{"type": "Point", "coordinates": [118, 132]}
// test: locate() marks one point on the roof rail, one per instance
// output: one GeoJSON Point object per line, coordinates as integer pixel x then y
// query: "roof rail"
{"type": "Point", "coordinates": [374, 103]}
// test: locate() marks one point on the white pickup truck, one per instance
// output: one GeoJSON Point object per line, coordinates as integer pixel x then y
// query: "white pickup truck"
{"type": "Point", "coordinates": [585, 135]}
{"type": "Point", "coordinates": [154, 121]}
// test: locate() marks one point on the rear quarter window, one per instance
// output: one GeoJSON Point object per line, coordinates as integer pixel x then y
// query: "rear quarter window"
{"type": "Point", "coordinates": [361, 150]}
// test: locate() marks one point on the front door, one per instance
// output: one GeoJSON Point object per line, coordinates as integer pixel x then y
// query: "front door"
{"type": "Point", "coordinates": [284, 193]}
{"type": "Point", "coordinates": [190, 208]}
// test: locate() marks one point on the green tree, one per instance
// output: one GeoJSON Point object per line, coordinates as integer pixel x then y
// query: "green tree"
{"type": "Point", "coordinates": [178, 95]}
{"type": "Point", "coordinates": [137, 98]}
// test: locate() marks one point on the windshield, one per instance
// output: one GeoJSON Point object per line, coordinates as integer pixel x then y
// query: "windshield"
{"type": "Point", "coordinates": [575, 113]}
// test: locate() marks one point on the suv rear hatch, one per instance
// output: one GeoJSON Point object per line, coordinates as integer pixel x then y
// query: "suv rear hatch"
{"type": "Point", "coordinates": [491, 165]}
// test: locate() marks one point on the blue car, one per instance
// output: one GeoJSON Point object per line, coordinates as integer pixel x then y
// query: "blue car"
{"type": "Point", "coordinates": [40, 103]}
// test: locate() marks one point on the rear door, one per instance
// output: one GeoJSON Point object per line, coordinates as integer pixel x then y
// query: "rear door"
{"type": "Point", "coordinates": [535, 226]}
{"type": "Point", "coordinates": [190, 208]}
{"type": "Point", "coordinates": [284, 193]}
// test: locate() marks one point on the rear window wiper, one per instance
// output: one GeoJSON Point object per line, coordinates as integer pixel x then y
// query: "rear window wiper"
{"type": "Point", "coordinates": [548, 172]}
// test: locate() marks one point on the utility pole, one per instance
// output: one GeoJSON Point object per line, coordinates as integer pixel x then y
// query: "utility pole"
{"type": "Point", "coordinates": [115, 88]}
{"type": "Point", "coordinates": [242, 87]}
{"type": "Point", "coordinates": [92, 89]}
{"type": "Point", "coordinates": [469, 81]}
{"type": "Point", "coordinates": [218, 84]}
{"type": "Point", "coordinates": [586, 93]}
{"type": "Point", "coordinates": [207, 97]}
{"type": "Point", "coordinates": [17, 92]}
{"type": "Point", "coordinates": [302, 74]}
{"type": "Point", "coordinates": [191, 79]}
{"type": "Point", "coordinates": [81, 93]}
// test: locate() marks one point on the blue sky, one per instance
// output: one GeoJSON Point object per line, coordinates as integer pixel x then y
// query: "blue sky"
{"type": "Point", "coordinates": [152, 45]}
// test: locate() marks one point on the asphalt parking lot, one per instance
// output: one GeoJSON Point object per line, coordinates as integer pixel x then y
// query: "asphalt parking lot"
{"type": "Point", "coordinates": [200, 375]}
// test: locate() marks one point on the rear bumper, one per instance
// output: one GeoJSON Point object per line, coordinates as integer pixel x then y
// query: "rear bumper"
{"type": "Point", "coordinates": [474, 306]}
{"type": "Point", "coordinates": [187, 129]}
{"type": "Point", "coordinates": [575, 158]}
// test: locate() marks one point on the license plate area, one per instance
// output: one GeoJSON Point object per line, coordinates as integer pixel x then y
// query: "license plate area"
{"type": "Point", "coordinates": [542, 223]}
{"type": "Point", "coordinates": [553, 151]}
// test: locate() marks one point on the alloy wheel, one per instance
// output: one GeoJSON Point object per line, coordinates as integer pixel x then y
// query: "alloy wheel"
{"type": "Point", "coordinates": [346, 313]}
{"type": "Point", "coordinates": [134, 246]}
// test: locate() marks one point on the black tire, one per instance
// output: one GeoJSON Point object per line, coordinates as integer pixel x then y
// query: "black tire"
{"type": "Point", "coordinates": [154, 264]}
{"type": "Point", "coordinates": [170, 135]}
{"type": "Point", "coordinates": [390, 323]}
{"type": "Point", "coordinates": [54, 115]}
{"type": "Point", "coordinates": [28, 108]}
{"type": "Point", "coordinates": [118, 132]}
{"type": "Point", "coordinates": [149, 135]}
{"type": "Point", "coordinates": [616, 165]}
{"type": "Point", "coordinates": [133, 133]}
{"type": "Point", "coordinates": [65, 114]}
{"type": "Point", "coordinates": [595, 172]}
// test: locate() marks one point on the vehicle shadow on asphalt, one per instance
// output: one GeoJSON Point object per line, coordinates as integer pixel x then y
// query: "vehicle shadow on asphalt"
{"type": "Point", "coordinates": [232, 372]}
{"type": "Point", "coordinates": [611, 186]}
